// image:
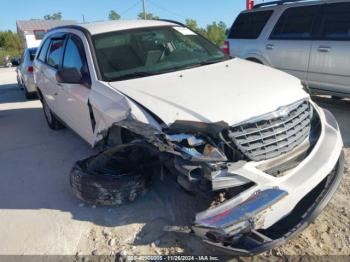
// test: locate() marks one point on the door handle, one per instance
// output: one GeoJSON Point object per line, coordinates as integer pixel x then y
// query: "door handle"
{"type": "Point", "coordinates": [269, 47]}
{"type": "Point", "coordinates": [324, 49]}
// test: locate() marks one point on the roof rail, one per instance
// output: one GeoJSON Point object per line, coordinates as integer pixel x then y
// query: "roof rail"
{"type": "Point", "coordinates": [280, 2]}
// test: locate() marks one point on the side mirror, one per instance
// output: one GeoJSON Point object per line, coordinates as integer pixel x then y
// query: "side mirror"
{"type": "Point", "coordinates": [69, 76]}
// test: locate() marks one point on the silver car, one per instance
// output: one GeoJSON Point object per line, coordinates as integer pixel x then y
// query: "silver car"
{"type": "Point", "coordinates": [310, 40]}
{"type": "Point", "coordinates": [25, 77]}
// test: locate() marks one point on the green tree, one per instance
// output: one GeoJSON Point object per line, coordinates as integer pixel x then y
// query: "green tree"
{"type": "Point", "coordinates": [10, 44]}
{"type": "Point", "coordinates": [54, 16]}
{"type": "Point", "coordinates": [216, 32]}
{"type": "Point", "coordinates": [149, 16]}
{"type": "Point", "coordinates": [191, 23]}
{"type": "Point", "coordinates": [113, 15]}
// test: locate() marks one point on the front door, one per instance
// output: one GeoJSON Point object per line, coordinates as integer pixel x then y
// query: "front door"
{"type": "Point", "coordinates": [289, 45]}
{"type": "Point", "coordinates": [329, 61]}
{"type": "Point", "coordinates": [74, 98]}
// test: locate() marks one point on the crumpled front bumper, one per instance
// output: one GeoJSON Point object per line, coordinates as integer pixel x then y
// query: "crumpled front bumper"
{"type": "Point", "coordinates": [276, 208]}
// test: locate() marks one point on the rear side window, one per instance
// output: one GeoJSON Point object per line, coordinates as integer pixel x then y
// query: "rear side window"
{"type": "Point", "coordinates": [336, 22]}
{"type": "Point", "coordinates": [32, 53]}
{"type": "Point", "coordinates": [43, 51]}
{"type": "Point", "coordinates": [55, 52]}
{"type": "Point", "coordinates": [249, 25]}
{"type": "Point", "coordinates": [296, 23]}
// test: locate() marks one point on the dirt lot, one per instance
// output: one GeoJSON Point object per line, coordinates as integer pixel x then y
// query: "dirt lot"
{"type": "Point", "coordinates": [39, 215]}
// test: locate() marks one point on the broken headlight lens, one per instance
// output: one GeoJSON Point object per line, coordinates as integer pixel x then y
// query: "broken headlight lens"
{"type": "Point", "coordinates": [197, 147]}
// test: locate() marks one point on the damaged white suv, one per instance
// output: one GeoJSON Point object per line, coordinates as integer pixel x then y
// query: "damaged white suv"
{"type": "Point", "coordinates": [155, 95]}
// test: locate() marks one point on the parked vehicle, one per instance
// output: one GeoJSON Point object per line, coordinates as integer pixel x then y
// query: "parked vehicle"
{"type": "Point", "coordinates": [15, 61]}
{"type": "Point", "coordinates": [309, 40]}
{"type": "Point", "coordinates": [25, 77]}
{"type": "Point", "coordinates": [155, 95]}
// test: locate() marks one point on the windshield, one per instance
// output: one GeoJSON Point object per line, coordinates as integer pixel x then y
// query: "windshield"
{"type": "Point", "coordinates": [148, 51]}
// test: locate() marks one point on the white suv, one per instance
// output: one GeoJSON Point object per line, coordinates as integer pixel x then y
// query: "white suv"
{"type": "Point", "coordinates": [156, 94]}
{"type": "Point", "coordinates": [309, 39]}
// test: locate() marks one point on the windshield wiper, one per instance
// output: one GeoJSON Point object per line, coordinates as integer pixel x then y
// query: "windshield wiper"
{"type": "Point", "coordinates": [134, 75]}
{"type": "Point", "coordinates": [214, 61]}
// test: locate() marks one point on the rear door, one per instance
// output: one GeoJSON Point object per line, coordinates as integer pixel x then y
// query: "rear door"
{"type": "Point", "coordinates": [288, 47]}
{"type": "Point", "coordinates": [329, 62]}
{"type": "Point", "coordinates": [74, 98]}
{"type": "Point", "coordinates": [48, 64]}
{"type": "Point", "coordinates": [244, 37]}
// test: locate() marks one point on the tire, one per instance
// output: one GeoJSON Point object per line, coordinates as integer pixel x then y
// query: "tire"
{"type": "Point", "coordinates": [95, 182]}
{"type": "Point", "coordinates": [27, 94]}
{"type": "Point", "coordinates": [51, 119]}
{"type": "Point", "coordinates": [19, 83]}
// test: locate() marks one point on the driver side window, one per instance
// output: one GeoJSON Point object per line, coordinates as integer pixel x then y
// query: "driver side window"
{"type": "Point", "coordinates": [74, 57]}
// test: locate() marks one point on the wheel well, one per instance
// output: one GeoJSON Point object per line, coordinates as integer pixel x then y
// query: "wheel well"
{"type": "Point", "coordinates": [40, 95]}
{"type": "Point", "coordinates": [255, 60]}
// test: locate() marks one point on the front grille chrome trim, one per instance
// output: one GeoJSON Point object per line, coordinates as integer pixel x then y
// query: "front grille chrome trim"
{"type": "Point", "coordinates": [275, 133]}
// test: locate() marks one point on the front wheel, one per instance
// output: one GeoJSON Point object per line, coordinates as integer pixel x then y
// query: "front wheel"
{"type": "Point", "coordinates": [51, 119]}
{"type": "Point", "coordinates": [27, 94]}
{"type": "Point", "coordinates": [19, 83]}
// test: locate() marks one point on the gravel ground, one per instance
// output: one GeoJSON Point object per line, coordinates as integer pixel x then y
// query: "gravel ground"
{"type": "Point", "coordinates": [39, 215]}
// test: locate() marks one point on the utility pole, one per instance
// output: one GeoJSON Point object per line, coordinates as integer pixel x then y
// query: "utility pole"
{"type": "Point", "coordinates": [144, 9]}
{"type": "Point", "coordinates": [83, 18]}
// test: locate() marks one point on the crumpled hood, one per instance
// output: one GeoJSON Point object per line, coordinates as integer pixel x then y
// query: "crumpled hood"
{"type": "Point", "coordinates": [231, 91]}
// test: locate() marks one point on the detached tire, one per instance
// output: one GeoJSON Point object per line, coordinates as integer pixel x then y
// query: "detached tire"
{"type": "Point", "coordinates": [114, 177]}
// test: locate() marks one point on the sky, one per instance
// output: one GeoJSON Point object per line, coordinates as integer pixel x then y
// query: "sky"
{"type": "Point", "coordinates": [204, 11]}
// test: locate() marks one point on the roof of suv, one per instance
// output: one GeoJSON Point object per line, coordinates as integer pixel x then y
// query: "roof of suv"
{"type": "Point", "coordinates": [285, 3]}
{"type": "Point", "coordinates": [110, 26]}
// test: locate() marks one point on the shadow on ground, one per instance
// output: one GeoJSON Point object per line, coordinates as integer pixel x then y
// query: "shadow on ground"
{"type": "Point", "coordinates": [35, 165]}
{"type": "Point", "coordinates": [340, 109]}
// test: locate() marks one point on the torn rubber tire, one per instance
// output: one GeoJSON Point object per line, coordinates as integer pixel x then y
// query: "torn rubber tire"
{"type": "Point", "coordinates": [114, 177]}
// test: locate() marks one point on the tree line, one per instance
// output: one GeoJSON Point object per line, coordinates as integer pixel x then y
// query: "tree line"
{"type": "Point", "coordinates": [215, 32]}
{"type": "Point", "coordinates": [12, 45]}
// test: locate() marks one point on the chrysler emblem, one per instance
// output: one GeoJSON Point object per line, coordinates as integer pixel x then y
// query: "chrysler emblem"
{"type": "Point", "coordinates": [282, 112]}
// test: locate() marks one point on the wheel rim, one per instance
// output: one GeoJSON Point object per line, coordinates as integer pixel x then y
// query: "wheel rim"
{"type": "Point", "coordinates": [47, 112]}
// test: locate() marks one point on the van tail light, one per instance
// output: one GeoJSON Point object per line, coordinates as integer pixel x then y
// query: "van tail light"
{"type": "Point", "coordinates": [30, 69]}
{"type": "Point", "coordinates": [226, 47]}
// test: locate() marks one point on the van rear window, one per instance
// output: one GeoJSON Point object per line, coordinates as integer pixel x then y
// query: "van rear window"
{"type": "Point", "coordinates": [249, 25]}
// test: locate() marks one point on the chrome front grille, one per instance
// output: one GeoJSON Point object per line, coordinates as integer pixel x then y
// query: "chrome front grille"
{"type": "Point", "coordinates": [273, 134]}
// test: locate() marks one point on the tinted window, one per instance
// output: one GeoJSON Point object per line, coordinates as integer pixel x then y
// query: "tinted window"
{"type": "Point", "coordinates": [43, 51]}
{"type": "Point", "coordinates": [39, 34]}
{"type": "Point", "coordinates": [32, 52]}
{"type": "Point", "coordinates": [336, 22]}
{"type": "Point", "coordinates": [296, 23]}
{"type": "Point", "coordinates": [249, 25]}
{"type": "Point", "coordinates": [74, 56]}
{"type": "Point", "coordinates": [55, 52]}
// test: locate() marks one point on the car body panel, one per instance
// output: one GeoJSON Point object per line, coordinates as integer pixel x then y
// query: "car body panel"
{"type": "Point", "coordinates": [220, 95]}
{"type": "Point", "coordinates": [324, 72]}
{"type": "Point", "coordinates": [25, 78]}
{"type": "Point", "coordinates": [219, 92]}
